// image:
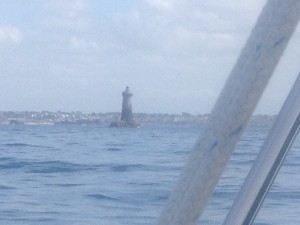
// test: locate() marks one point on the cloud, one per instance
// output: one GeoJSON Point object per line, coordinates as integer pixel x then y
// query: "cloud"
{"type": "Point", "coordinates": [177, 29]}
{"type": "Point", "coordinates": [81, 44]}
{"type": "Point", "coordinates": [66, 14]}
{"type": "Point", "coordinates": [10, 34]}
{"type": "Point", "coordinates": [70, 9]}
{"type": "Point", "coordinates": [155, 46]}
{"type": "Point", "coordinates": [163, 4]}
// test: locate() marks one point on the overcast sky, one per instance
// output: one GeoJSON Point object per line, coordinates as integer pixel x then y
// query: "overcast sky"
{"type": "Point", "coordinates": [175, 55]}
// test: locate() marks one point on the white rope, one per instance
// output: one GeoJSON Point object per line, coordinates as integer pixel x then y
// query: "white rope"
{"type": "Point", "coordinates": [268, 162]}
{"type": "Point", "coordinates": [231, 113]}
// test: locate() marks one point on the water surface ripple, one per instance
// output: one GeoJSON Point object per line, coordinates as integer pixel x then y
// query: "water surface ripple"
{"type": "Point", "coordinates": [95, 175]}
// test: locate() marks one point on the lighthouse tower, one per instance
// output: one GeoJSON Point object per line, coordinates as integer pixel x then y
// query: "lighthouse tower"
{"type": "Point", "coordinates": [126, 117]}
{"type": "Point", "coordinates": [127, 105]}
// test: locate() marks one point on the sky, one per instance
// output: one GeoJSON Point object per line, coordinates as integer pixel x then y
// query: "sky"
{"type": "Point", "coordinates": [79, 55]}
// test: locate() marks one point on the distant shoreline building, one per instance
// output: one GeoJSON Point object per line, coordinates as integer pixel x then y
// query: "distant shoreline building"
{"type": "Point", "coordinates": [126, 117]}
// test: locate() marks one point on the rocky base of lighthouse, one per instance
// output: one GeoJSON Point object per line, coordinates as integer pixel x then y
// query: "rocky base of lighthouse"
{"type": "Point", "coordinates": [122, 123]}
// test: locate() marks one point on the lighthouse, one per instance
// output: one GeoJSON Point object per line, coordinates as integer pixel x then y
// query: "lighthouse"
{"type": "Point", "coordinates": [126, 105]}
{"type": "Point", "coordinates": [126, 117]}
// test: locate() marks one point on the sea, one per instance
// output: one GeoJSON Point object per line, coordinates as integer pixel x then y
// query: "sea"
{"type": "Point", "coordinates": [93, 175]}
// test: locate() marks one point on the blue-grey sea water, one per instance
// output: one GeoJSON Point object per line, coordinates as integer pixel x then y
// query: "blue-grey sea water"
{"type": "Point", "coordinates": [107, 176]}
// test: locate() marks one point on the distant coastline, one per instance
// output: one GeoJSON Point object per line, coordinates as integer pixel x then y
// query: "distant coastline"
{"type": "Point", "coordinates": [104, 119]}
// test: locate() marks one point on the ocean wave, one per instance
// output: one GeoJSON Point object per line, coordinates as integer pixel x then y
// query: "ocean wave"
{"type": "Point", "coordinates": [45, 166]}
{"type": "Point", "coordinates": [3, 187]}
{"type": "Point", "coordinates": [102, 197]}
{"type": "Point", "coordinates": [124, 168]}
{"type": "Point", "coordinates": [24, 145]}
{"type": "Point", "coordinates": [114, 149]}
